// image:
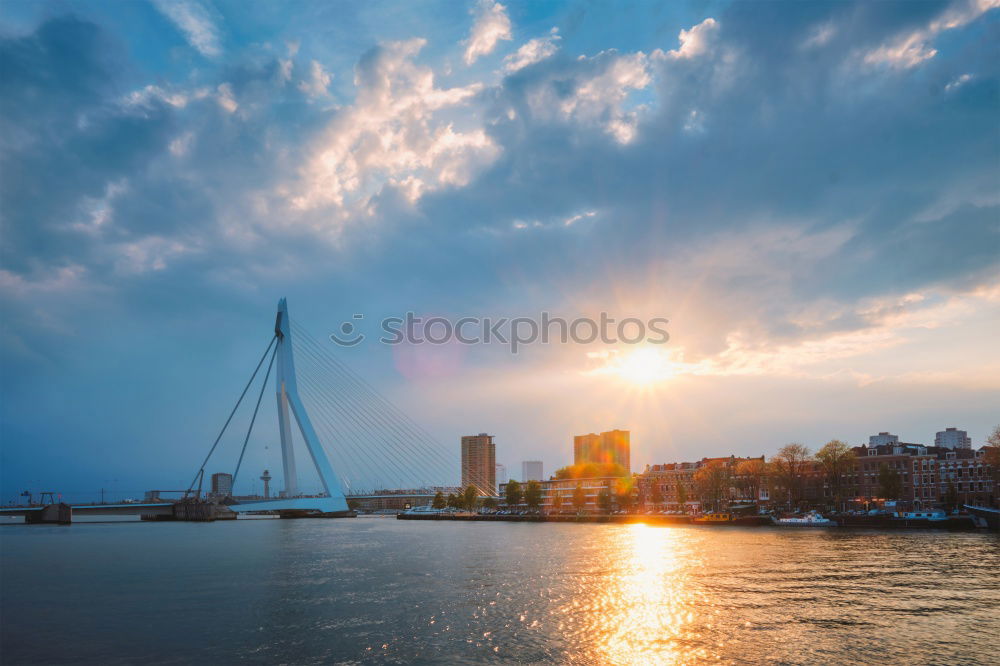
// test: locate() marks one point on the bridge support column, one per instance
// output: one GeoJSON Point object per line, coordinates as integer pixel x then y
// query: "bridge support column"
{"type": "Point", "coordinates": [59, 514]}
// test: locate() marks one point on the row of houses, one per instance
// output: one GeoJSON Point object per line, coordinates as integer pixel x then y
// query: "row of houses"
{"type": "Point", "coordinates": [926, 476]}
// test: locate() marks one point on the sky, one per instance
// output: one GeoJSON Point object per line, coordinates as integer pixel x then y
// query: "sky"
{"type": "Point", "coordinates": [808, 191]}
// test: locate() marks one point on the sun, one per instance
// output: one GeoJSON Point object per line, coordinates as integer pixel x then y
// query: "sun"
{"type": "Point", "coordinates": [644, 366]}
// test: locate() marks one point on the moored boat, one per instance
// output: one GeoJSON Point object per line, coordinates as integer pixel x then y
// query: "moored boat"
{"type": "Point", "coordinates": [811, 519]}
{"type": "Point", "coordinates": [712, 519]}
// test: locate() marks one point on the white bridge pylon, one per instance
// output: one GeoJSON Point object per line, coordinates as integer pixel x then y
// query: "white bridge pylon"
{"type": "Point", "coordinates": [288, 400]}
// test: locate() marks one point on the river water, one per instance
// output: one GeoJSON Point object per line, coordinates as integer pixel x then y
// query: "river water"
{"type": "Point", "coordinates": [386, 591]}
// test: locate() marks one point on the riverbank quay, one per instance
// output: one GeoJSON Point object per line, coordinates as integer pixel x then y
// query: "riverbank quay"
{"type": "Point", "coordinates": [586, 518]}
{"type": "Point", "coordinates": [955, 523]}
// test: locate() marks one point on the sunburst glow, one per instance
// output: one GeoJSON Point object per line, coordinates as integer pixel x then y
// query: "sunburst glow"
{"type": "Point", "coordinates": [643, 366]}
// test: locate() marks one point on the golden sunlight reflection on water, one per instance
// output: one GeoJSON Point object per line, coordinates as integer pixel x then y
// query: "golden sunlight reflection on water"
{"type": "Point", "coordinates": [641, 607]}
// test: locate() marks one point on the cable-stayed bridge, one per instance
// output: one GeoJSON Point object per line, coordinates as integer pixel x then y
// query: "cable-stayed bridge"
{"type": "Point", "coordinates": [357, 441]}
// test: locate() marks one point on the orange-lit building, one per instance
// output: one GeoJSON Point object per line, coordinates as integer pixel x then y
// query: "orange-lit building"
{"type": "Point", "coordinates": [612, 446]}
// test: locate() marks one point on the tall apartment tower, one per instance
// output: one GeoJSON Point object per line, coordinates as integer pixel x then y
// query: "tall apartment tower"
{"type": "Point", "coordinates": [531, 470]}
{"type": "Point", "coordinates": [479, 463]}
{"type": "Point", "coordinates": [612, 446]}
{"type": "Point", "coordinates": [501, 476]}
{"type": "Point", "coordinates": [222, 484]}
{"type": "Point", "coordinates": [953, 438]}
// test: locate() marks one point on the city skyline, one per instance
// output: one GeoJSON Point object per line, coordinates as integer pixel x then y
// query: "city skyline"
{"type": "Point", "coordinates": [814, 215]}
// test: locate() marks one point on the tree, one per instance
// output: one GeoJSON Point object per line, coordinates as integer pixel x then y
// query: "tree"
{"type": "Point", "coordinates": [789, 470]}
{"type": "Point", "coordinates": [950, 498]}
{"type": "Point", "coordinates": [579, 497]}
{"type": "Point", "coordinates": [712, 482]}
{"type": "Point", "coordinates": [657, 495]}
{"type": "Point", "coordinates": [439, 501]}
{"type": "Point", "coordinates": [682, 497]}
{"type": "Point", "coordinates": [469, 498]}
{"type": "Point", "coordinates": [513, 494]}
{"type": "Point", "coordinates": [751, 476]}
{"type": "Point", "coordinates": [837, 460]}
{"type": "Point", "coordinates": [453, 501]}
{"type": "Point", "coordinates": [490, 502]}
{"type": "Point", "coordinates": [533, 494]}
{"type": "Point", "coordinates": [890, 484]}
{"type": "Point", "coordinates": [590, 471]}
{"type": "Point", "coordinates": [604, 500]}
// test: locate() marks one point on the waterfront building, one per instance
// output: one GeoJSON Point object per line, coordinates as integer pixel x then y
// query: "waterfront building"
{"type": "Point", "coordinates": [501, 475]}
{"type": "Point", "coordinates": [612, 446]}
{"type": "Point", "coordinates": [670, 480]}
{"type": "Point", "coordinates": [222, 484]}
{"type": "Point", "coordinates": [928, 474]}
{"type": "Point", "coordinates": [953, 438]}
{"type": "Point", "coordinates": [882, 439]}
{"type": "Point", "coordinates": [591, 489]}
{"type": "Point", "coordinates": [399, 499]}
{"type": "Point", "coordinates": [532, 470]}
{"type": "Point", "coordinates": [479, 463]}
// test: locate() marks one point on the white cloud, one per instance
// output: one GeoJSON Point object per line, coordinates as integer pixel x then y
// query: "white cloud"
{"type": "Point", "coordinates": [318, 81]}
{"type": "Point", "coordinates": [819, 36]}
{"type": "Point", "coordinates": [532, 52]}
{"type": "Point", "coordinates": [225, 98]}
{"type": "Point", "coordinates": [695, 42]}
{"type": "Point", "coordinates": [961, 80]}
{"type": "Point", "coordinates": [913, 48]}
{"type": "Point", "coordinates": [599, 96]}
{"type": "Point", "coordinates": [145, 97]}
{"type": "Point", "coordinates": [491, 26]}
{"type": "Point", "coordinates": [195, 22]}
{"type": "Point", "coordinates": [392, 135]}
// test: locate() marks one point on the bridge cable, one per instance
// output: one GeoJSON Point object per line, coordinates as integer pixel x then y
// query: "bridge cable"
{"type": "Point", "coordinates": [201, 470]}
{"type": "Point", "coordinates": [373, 420]}
{"type": "Point", "coordinates": [357, 409]}
{"type": "Point", "coordinates": [253, 418]}
{"type": "Point", "coordinates": [408, 430]}
{"type": "Point", "coordinates": [393, 422]}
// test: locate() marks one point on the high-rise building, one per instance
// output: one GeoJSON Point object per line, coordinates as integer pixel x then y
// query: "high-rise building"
{"type": "Point", "coordinates": [609, 447]}
{"type": "Point", "coordinates": [501, 475]}
{"type": "Point", "coordinates": [479, 463]}
{"type": "Point", "coordinates": [222, 484]}
{"type": "Point", "coordinates": [953, 438]}
{"type": "Point", "coordinates": [531, 470]}
{"type": "Point", "coordinates": [882, 439]}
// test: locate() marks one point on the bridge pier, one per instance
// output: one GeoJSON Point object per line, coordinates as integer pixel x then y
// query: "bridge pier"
{"type": "Point", "coordinates": [59, 514]}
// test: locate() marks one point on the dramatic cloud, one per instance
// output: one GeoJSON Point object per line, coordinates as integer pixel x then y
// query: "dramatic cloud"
{"type": "Point", "coordinates": [491, 26]}
{"type": "Point", "coordinates": [806, 190]}
{"type": "Point", "coordinates": [392, 134]}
